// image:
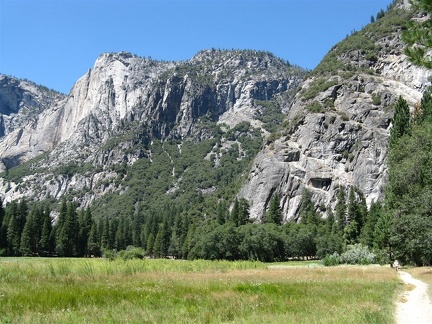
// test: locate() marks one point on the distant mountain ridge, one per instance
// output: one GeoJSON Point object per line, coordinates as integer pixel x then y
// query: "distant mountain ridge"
{"type": "Point", "coordinates": [116, 110]}
{"type": "Point", "coordinates": [138, 132]}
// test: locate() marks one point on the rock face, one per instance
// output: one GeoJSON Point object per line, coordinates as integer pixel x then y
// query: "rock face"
{"type": "Point", "coordinates": [126, 98]}
{"type": "Point", "coordinates": [21, 105]}
{"type": "Point", "coordinates": [338, 128]}
{"type": "Point", "coordinates": [334, 135]}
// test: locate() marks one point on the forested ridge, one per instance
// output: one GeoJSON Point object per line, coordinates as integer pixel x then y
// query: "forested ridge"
{"type": "Point", "coordinates": [194, 226]}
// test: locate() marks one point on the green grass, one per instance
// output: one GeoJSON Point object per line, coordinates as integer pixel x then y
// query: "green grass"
{"type": "Point", "coordinates": [166, 291]}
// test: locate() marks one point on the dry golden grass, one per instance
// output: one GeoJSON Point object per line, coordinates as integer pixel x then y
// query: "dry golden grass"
{"type": "Point", "coordinates": [424, 274]}
{"type": "Point", "coordinates": [410, 287]}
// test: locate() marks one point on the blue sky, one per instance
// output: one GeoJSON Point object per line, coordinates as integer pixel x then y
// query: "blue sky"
{"type": "Point", "coordinates": [54, 42]}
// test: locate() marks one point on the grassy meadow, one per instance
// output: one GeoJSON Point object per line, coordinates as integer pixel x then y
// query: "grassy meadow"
{"type": "Point", "coordinates": [167, 291]}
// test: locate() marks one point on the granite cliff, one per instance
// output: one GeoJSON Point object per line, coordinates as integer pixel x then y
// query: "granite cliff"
{"type": "Point", "coordinates": [325, 132]}
{"type": "Point", "coordinates": [119, 107]}
{"type": "Point", "coordinates": [337, 128]}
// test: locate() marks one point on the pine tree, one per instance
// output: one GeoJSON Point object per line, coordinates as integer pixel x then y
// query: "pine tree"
{"type": "Point", "coordinates": [374, 214]}
{"type": "Point", "coordinates": [423, 112]}
{"type": "Point", "coordinates": [380, 14]}
{"type": "Point", "coordinates": [112, 230]}
{"type": "Point", "coordinates": [222, 212]}
{"type": "Point", "coordinates": [160, 243]}
{"type": "Point", "coordinates": [16, 214]}
{"type": "Point", "coordinates": [27, 247]}
{"type": "Point", "coordinates": [307, 212]}
{"type": "Point", "coordinates": [45, 242]}
{"type": "Point", "coordinates": [13, 236]}
{"type": "Point", "coordinates": [418, 37]}
{"type": "Point", "coordinates": [167, 234]}
{"type": "Point", "coordinates": [150, 244]}
{"type": "Point", "coordinates": [2, 214]}
{"type": "Point", "coordinates": [407, 226]}
{"type": "Point", "coordinates": [127, 232]}
{"type": "Point", "coordinates": [243, 212]}
{"type": "Point", "coordinates": [21, 215]}
{"type": "Point", "coordinates": [143, 237]}
{"type": "Point", "coordinates": [426, 106]}
{"type": "Point", "coordinates": [38, 211]}
{"type": "Point", "coordinates": [68, 237]}
{"type": "Point", "coordinates": [60, 220]}
{"type": "Point", "coordinates": [356, 216]}
{"type": "Point", "coordinates": [274, 214]}
{"type": "Point", "coordinates": [235, 213]}
{"type": "Point", "coordinates": [3, 229]}
{"type": "Point", "coordinates": [185, 223]}
{"type": "Point", "coordinates": [341, 210]}
{"type": "Point", "coordinates": [104, 232]}
{"type": "Point", "coordinates": [187, 244]}
{"type": "Point", "coordinates": [401, 121]}
{"type": "Point", "coordinates": [85, 223]}
{"type": "Point", "coordinates": [177, 236]}
{"type": "Point", "coordinates": [120, 235]}
{"type": "Point", "coordinates": [93, 243]}
{"type": "Point", "coordinates": [330, 220]}
{"type": "Point", "coordinates": [175, 245]}
{"type": "Point", "coordinates": [137, 223]}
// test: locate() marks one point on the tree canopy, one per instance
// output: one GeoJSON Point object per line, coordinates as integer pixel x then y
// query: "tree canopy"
{"type": "Point", "coordinates": [418, 36]}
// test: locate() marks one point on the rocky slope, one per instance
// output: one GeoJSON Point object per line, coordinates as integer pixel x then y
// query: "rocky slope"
{"type": "Point", "coordinates": [338, 125]}
{"type": "Point", "coordinates": [129, 118]}
{"type": "Point", "coordinates": [124, 103]}
{"type": "Point", "coordinates": [21, 104]}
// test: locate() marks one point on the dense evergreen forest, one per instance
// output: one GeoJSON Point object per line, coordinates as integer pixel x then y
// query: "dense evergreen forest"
{"type": "Point", "coordinates": [174, 232]}
{"type": "Point", "coordinates": [399, 227]}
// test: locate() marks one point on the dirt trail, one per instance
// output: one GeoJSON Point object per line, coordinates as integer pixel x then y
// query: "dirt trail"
{"type": "Point", "coordinates": [414, 305]}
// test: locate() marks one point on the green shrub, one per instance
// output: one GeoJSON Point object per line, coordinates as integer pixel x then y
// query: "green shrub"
{"type": "Point", "coordinates": [328, 103]}
{"type": "Point", "coordinates": [108, 254]}
{"type": "Point", "coordinates": [354, 254]}
{"type": "Point", "coordinates": [357, 254]}
{"type": "Point", "coordinates": [376, 99]}
{"type": "Point", "coordinates": [131, 252]}
{"type": "Point", "coordinates": [317, 86]}
{"type": "Point", "coordinates": [315, 107]}
{"type": "Point", "coordinates": [331, 260]}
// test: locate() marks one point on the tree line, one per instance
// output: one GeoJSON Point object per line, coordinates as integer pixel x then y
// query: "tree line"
{"type": "Point", "coordinates": [176, 232]}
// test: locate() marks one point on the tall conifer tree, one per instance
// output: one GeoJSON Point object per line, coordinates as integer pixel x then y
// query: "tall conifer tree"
{"type": "Point", "coordinates": [401, 121]}
{"type": "Point", "coordinates": [45, 242]}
